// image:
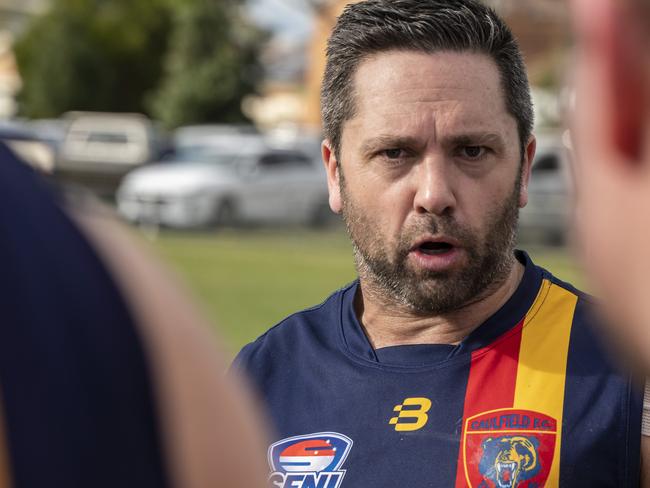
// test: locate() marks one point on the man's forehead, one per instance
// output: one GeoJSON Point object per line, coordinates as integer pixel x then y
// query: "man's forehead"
{"type": "Point", "coordinates": [418, 69]}
{"type": "Point", "coordinates": [399, 92]}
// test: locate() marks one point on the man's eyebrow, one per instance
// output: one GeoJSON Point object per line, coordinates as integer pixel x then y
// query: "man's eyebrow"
{"type": "Point", "coordinates": [475, 138]}
{"type": "Point", "coordinates": [467, 139]}
{"type": "Point", "coordinates": [386, 141]}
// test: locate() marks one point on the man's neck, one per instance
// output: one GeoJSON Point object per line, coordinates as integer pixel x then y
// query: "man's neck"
{"type": "Point", "coordinates": [387, 325]}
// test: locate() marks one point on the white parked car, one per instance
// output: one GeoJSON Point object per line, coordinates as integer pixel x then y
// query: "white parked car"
{"type": "Point", "coordinates": [98, 148]}
{"type": "Point", "coordinates": [107, 142]}
{"type": "Point", "coordinates": [545, 218]}
{"type": "Point", "coordinates": [203, 186]}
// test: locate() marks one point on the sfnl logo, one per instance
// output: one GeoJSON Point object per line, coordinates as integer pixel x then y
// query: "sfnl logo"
{"type": "Point", "coordinates": [309, 461]}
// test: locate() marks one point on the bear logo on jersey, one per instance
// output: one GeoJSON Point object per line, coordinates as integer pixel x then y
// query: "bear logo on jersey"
{"type": "Point", "coordinates": [508, 448]}
{"type": "Point", "coordinates": [509, 460]}
{"type": "Point", "coordinates": [309, 461]}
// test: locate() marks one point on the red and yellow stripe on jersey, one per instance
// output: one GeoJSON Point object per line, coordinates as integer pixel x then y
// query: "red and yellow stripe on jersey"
{"type": "Point", "coordinates": [515, 397]}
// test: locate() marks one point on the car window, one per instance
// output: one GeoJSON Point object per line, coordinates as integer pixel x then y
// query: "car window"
{"type": "Point", "coordinates": [548, 163]}
{"type": "Point", "coordinates": [108, 137]}
{"type": "Point", "coordinates": [202, 154]}
{"type": "Point", "coordinates": [270, 161]}
{"type": "Point", "coordinates": [283, 159]}
{"type": "Point", "coordinates": [298, 160]}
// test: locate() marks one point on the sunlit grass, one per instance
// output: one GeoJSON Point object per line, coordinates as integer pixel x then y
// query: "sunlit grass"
{"type": "Point", "coordinates": [248, 280]}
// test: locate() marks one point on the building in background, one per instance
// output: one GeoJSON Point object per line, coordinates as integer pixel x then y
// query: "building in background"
{"type": "Point", "coordinates": [9, 78]}
{"type": "Point", "coordinates": [542, 27]}
{"type": "Point", "coordinates": [14, 14]}
{"type": "Point", "coordinates": [290, 93]}
{"type": "Point", "coordinates": [281, 98]}
{"type": "Point", "coordinates": [14, 17]}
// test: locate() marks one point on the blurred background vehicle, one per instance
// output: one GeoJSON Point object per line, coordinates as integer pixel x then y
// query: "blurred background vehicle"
{"type": "Point", "coordinates": [545, 218]}
{"type": "Point", "coordinates": [32, 144]}
{"type": "Point", "coordinates": [192, 140]}
{"type": "Point", "coordinates": [220, 176]}
{"type": "Point", "coordinates": [98, 149]}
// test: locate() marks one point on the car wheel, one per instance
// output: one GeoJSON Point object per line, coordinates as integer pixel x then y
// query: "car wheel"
{"type": "Point", "coordinates": [322, 215]}
{"type": "Point", "coordinates": [556, 238]}
{"type": "Point", "coordinates": [225, 214]}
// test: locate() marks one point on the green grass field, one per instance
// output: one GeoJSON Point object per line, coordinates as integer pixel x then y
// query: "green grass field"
{"type": "Point", "coordinates": [248, 280]}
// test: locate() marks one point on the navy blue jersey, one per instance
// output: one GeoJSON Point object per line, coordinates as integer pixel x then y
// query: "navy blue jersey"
{"type": "Point", "coordinates": [529, 399]}
{"type": "Point", "coordinates": [75, 385]}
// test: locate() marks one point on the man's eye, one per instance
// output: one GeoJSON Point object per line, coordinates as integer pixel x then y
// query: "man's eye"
{"type": "Point", "coordinates": [472, 152]}
{"type": "Point", "coordinates": [393, 153]}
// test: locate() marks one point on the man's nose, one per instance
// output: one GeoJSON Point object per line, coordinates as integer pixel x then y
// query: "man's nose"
{"type": "Point", "coordinates": [434, 189]}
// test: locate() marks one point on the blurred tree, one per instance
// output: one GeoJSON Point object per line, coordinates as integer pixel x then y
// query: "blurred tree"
{"type": "Point", "coordinates": [92, 55]}
{"type": "Point", "coordinates": [211, 65]}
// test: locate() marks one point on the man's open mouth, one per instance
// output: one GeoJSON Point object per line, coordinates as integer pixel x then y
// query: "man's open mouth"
{"type": "Point", "coordinates": [433, 248]}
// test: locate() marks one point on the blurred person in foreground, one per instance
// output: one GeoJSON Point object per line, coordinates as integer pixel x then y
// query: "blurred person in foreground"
{"type": "Point", "coordinates": [108, 376]}
{"type": "Point", "coordinates": [611, 130]}
{"type": "Point", "coordinates": [453, 360]}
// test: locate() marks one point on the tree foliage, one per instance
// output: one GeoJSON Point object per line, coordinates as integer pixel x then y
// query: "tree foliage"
{"type": "Point", "coordinates": [92, 55]}
{"type": "Point", "coordinates": [183, 61]}
{"type": "Point", "coordinates": [212, 64]}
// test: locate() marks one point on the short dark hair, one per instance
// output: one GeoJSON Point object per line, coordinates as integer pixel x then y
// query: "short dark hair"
{"type": "Point", "coordinates": [375, 26]}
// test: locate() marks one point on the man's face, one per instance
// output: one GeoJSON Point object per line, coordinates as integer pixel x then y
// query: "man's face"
{"type": "Point", "coordinates": [430, 178]}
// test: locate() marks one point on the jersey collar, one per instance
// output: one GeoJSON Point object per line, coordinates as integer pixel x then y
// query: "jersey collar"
{"type": "Point", "coordinates": [504, 319]}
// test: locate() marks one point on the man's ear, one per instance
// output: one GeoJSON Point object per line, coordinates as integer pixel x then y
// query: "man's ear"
{"type": "Point", "coordinates": [612, 35]}
{"type": "Point", "coordinates": [332, 170]}
{"type": "Point", "coordinates": [529, 156]}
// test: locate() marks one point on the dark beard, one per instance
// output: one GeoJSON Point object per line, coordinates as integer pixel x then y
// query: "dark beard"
{"type": "Point", "coordinates": [426, 292]}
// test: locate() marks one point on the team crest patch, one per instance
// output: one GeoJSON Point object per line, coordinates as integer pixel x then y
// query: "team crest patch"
{"type": "Point", "coordinates": [508, 448]}
{"type": "Point", "coordinates": [309, 461]}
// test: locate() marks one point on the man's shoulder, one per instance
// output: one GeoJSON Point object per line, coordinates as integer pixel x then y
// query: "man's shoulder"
{"type": "Point", "coordinates": [544, 297]}
{"type": "Point", "coordinates": [300, 330]}
{"type": "Point", "coordinates": [585, 303]}
{"type": "Point", "coordinates": [588, 334]}
{"type": "Point", "coordinates": [581, 295]}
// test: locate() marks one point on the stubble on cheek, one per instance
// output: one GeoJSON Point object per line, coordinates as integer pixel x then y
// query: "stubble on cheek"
{"type": "Point", "coordinates": [383, 265]}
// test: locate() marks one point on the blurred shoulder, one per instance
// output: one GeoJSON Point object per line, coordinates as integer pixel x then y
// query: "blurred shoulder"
{"type": "Point", "coordinates": [318, 324]}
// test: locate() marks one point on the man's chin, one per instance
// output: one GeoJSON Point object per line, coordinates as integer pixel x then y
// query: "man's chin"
{"type": "Point", "coordinates": [431, 296]}
{"type": "Point", "coordinates": [433, 277]}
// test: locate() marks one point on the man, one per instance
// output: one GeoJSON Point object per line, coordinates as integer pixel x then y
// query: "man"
{"type": "Point", "coordinates": [453, 361]}
{"type": "Point", "coordinates": [611, 128]}
{"type": "Point", "coordinates": [107, 376]}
